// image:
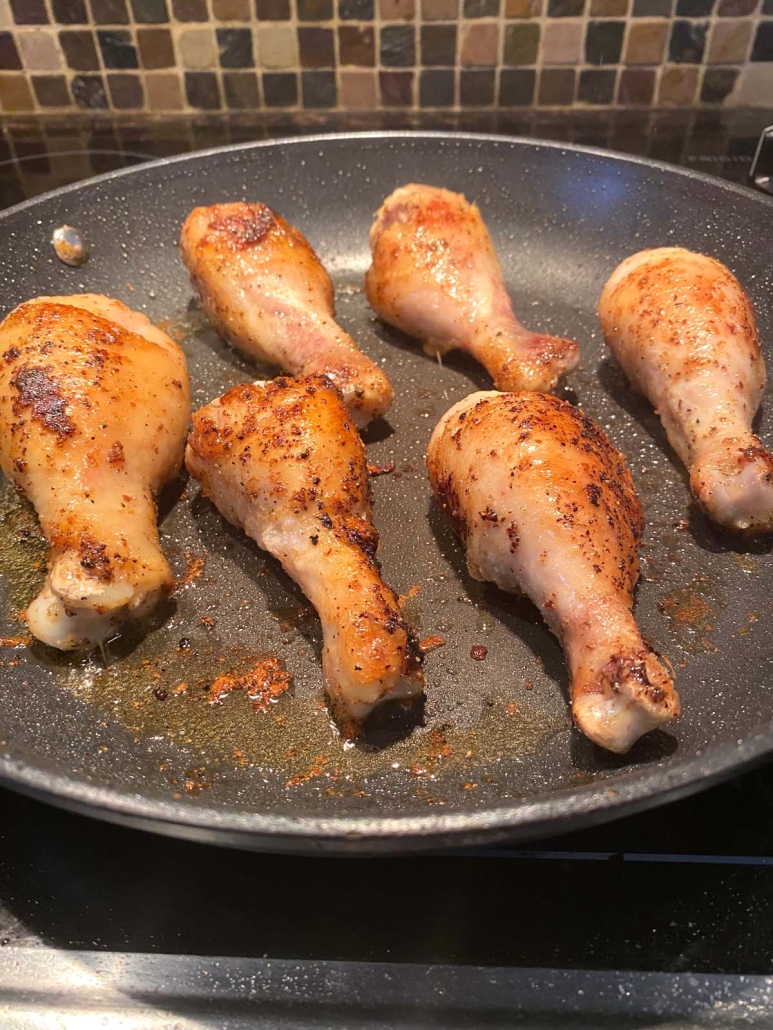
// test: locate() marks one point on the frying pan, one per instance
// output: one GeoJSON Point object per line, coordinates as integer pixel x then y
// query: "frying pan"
{"type": "Point", "coordinates": [132, 737]}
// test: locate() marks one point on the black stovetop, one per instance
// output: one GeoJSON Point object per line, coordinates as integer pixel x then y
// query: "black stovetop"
{"type": "Point", "coordinates": [660, 918]}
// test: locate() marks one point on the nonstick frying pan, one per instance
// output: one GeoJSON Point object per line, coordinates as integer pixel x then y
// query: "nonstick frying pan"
{"type": "Point", "coordinates": [132, 737]}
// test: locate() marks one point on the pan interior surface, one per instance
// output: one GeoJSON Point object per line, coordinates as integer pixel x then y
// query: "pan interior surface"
{"type": "Point", "coordinates": [494, 749]}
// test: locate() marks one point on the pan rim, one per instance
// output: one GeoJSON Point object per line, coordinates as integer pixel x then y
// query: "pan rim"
{"type": "Point", "coordinates": [531, 817]}
{"type": "Point", "coordinates": [387, 134]}
{"type": "Point", "coordinates": [538, 815]}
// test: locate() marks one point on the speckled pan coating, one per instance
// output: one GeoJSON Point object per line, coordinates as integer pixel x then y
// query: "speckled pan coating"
{"type": "Point", "coordinates": [496, 756]}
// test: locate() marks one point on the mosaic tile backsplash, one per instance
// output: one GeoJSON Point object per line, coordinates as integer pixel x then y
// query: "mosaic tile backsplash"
{"type": "Point", "coordinates": [364, 55]}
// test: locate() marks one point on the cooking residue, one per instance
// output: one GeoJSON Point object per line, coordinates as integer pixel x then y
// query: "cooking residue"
{"type": "Point", "coordinates": [264, 683]}
{"type": "Point", "coordinates": [381, 470]}
{"type": "Point", "coordinates": [431, 644]}
{"type": "Point", "coordinates": [194, 568]}
{"type": "Point", "coordinates": [438, 749]}
{"type": "Point", "coordinates": [691, 616]}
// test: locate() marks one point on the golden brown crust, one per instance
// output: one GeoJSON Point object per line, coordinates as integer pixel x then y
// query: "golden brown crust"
{"type": "Point", "coordinates": [284, 461]}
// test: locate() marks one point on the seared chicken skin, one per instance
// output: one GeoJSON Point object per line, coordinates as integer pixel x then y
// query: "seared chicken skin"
{"type": "Point", "coordinates": [545, 505]}
{"type": "Point", "coordinates": [435, 275]}
{"type": "Point", "coordinates": [94, 401]}
{"type": "Point", "coordinates": [684, 333]}
{"type": "Point", "coordinates": [283, 461]}
{"type": "Point", "coordinates": [263, 287]}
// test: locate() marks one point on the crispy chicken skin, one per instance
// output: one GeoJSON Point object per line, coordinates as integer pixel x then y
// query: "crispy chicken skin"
{"type": "Point", "coordinates": [263, 287]}
{"type": "Point", "coordinates": [683, 331]}
{"type": "Point", "coordinates": [435, 275]}
{"type": "Point", "coordinates": [95, 404]}
{"type": "Point", "coordinates": [283, 461]}
{"type": "Point", "coordinates": [545, 505]}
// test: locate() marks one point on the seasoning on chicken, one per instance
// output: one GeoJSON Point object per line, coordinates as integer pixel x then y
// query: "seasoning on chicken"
{"type": "Point", "coordinates": [435, 275]}
{"type": "Point", "coordinates": [546, 506]}
{"type": "Point", "coordinates": [684, 333]}
{"type": "Point", "coordinates": [283, 461]}
{"type": "Point", "coordinates": [95, 402]}
{"type": "Point", "coordinates": [263, 287]}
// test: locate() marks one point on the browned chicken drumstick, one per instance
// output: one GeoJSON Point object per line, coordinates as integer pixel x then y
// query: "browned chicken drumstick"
{"type": "Point", "coordinates": [94, 402]}
{"type": "Point", "coordinates": [283, 461]}
{"type": "Point", "coordinates": [683, 330]}
{"type": "Point", "coordinates": [435, 275]}
{"type": "Point", "coordinates": [263, 287]}
{"type": "Point", "coordinates": [545, 505]}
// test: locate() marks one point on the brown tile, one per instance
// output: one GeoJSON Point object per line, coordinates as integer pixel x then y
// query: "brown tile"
{"type": "Point", "coordinates": [89, 93]}
{"type": "Point", "coordinates": [678, 86]}
{"type": "Point", "coordinates": [439, 10]}
{"type": "Point", "coordinates": [437, 87]}
{"type": "Point", "coordinates": [636, 87]}
{"type": "Point", "coordinates": [523, 8]}
{"type": "Point", "coordinates": [79, 49]}
{"type": "Point", "coordinates": [438, 46]}
{"type": "Point", "coordinates": [562, 42]}
{"type": "Point", "coordinates": [565, 8]}
{"type": "Point", "coordinates": [273, 10]}
{"type": "Point", "coordinates": [730, 42]}
{"type": "Point", "coordinates": [231, 10]}
{"type": "Point", "coordinates": [164, 91]}
{"type": "Point", "coordinates": [51, 90]}
{"type": "Point", "coordinates": [316, 46]}
{"type": "Point", "coordinates": [9, 54]}
{"type": "Point", "coordinates": [280, 89]}
{"type": "Point", "coordinates": [356, 10]}
{"type": "Point", "coordinates": [516, 87]}
{"type": "Point", "coordinates": [646, 42]}
{"type": "Point", "coordinates": [241, 90]}
{"type": "Point", "coordinates": [235, 48]}
{"type": "Point", "coordinates": [69, 12]}
{"type": "Point", "coordinates": [718, 84]}
{"type": "Point", "coordinates": [319, 90]}
{"type": "Point", "coordinates": [356, 45]}
{"type": "Point", "coordinates": [358, 91]}
{"type": "Point", "coordinates": [39, 51]}
{"type": "Point", "coordinates": [736, 8]}
{"type": "Point", "coordinates": [109, 12]}
{"type": "Point", "coordinates": [29, 12]}
{"type": "Point", "coordinates": [156, 48]}
{"type": "Point", "coordinates": [15, 93]}
{"type": "Point", "coordinates": [125, 91]}
{"type": "Point", "coordinates": [150, 11]}
{"type": "Point", "coordinates": [396, 89]}
{"type": "Point", "coordinates": [202, 91]}
{"type": "Point", "coordinates": [596, 86]}
{"type": "Point", "coordinates": [754, 87]}
{"type": "Point", "coordinates": [608, 8]}
{"type": "Point", "coordinates": [316, 10]}
{"type": "Point", "coordinates": [476, 88]}
{"type": "Point", "coordinates": [277, 47]}
{"type": "Point", "coordinates": [197, 50]}
{"type": "Point", "coordinates": [190, 10]}
{"type": "Point", "coordinates": [556, 87]}
{"type": "Point", "coordinates": [521, 43]}
{"type": "Point", "coordinates": [480, 44]}
{"type": "Point", "coordinates": [397, 10]}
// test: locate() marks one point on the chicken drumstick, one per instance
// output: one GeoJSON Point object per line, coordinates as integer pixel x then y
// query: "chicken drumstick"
{"type": "Point", "coordinates": [435, 275]}
{"type": "Point", "coordinates": [263, 287]}
{"type": "Point", "coordinates": [684, 333]}
{"type": "Point", "coordinates": [283, 461]}
{"type": "Point", "coordinates": [94, 402]}
{"type": "Point", "coordinates": [546, 505]}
